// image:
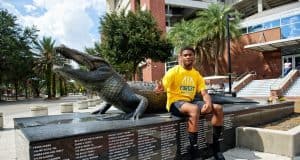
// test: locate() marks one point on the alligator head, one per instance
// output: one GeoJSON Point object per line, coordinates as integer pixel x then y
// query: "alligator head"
{"type": "Point", "coordinates": [98, 70]}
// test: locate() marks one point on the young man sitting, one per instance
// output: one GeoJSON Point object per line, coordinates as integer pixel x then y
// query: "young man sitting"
{"type": "Point", "coordinates": [182, 83]}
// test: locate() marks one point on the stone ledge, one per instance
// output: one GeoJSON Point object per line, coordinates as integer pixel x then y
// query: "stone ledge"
{"type": "Point", "coordinates": [286, 143]}
{"type": "Point", "coordinates": [56, 130]}
{"type": "Point", "coordinates": [66, 107]}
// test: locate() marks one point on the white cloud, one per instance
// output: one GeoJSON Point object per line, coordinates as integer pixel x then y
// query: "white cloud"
{"type": "Point", "coordinates": [67, 21]}
{"type": "Point", "coordinates": [11, 8]}
{"type": "Point", "coordinates": [29, 8]}
{"type": "Point", "coordinates": [99, 6]}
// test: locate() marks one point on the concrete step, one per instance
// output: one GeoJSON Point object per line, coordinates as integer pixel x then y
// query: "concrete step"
{"type": "Point", "coordinates": [259, 88]}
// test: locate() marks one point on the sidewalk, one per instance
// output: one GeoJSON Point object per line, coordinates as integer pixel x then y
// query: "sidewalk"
{"type": "Point", "coordinates": [21, 109]}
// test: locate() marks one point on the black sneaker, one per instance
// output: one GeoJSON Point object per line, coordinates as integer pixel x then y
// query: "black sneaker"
{"type": "Point", "coordinates": [219, 156]}
{"type": "Point", "coordinates": [194, 152]}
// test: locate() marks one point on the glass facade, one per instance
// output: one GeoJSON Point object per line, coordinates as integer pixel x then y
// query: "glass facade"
{"type": "Point", "coordinates": [291, 55]}
{"type": "Point", "coordinates": [291, 30]}
{"type": "Point", "coordinates": [272, 24]}
{"type": "Point", "coordinates": [290, 20]}
{"type": "Point", "coordinates": [290, 26]}
{"type": "Point", "coordinates": [255, 28]}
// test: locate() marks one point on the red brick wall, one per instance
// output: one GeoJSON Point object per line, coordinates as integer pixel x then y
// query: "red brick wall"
{"type": "Point", "coordinates": [263, 36]}
{"type": "Point", "coordinates": [146, 70]}
{"type": "Point", "coordinates": [157, 8]}
{"type": "Point", "coordinates": [158, 70]}
{"type": "Point", "coordinates": [155, 70]}
{"type": "Point", "coordinates": [265, 64]}
{"type": "Point", "coordinates": [133, 4]}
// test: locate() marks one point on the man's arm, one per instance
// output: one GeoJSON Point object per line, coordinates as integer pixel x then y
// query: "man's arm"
{"type": "Point", "coordinates": [158, 86]}
{"type": "Point", "coordinates": [164, 84]}
{"type": "Point", "coordinates": [207, 107]}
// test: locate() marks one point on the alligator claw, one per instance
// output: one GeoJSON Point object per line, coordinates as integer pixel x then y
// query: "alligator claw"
{"type": "Point", "coordinates": [97, 111]}
{"type": "Point", "coordinates": [135, 117]}
{"type": "Point", "coordinates": [104, 106]}
{"type": "Point", "coordinates": [128, 116]}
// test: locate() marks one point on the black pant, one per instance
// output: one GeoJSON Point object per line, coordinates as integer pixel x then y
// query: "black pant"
{"type": "Point", "coordinates": [176, 107]}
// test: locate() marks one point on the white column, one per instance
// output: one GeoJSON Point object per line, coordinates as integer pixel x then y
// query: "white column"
{"type": "Point", "coordinates": [66, 107]}
{"type": "Point", "coordinates": [39, 111]}
{"type": "Point", "coordinates": [1, 120]}
{"type": "Point", "coordinates": [82, 104]}
{"type": "Point", "coordinates": [259, 6]}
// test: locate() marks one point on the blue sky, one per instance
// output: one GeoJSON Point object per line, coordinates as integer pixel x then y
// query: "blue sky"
{"type": "Point", "coordinates": [71, 22]}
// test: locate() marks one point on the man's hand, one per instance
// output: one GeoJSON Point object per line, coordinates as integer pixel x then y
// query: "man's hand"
{"type": "Point", "coordinates": [159, 87]}
{"type": "Point", "coordinates": [207, 108]}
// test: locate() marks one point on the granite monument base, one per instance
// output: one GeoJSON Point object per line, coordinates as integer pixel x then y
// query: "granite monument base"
{"type": "Point", "coordinates": [157, 136]}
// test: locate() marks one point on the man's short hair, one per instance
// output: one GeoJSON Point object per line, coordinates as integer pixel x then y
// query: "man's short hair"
{"type": "Point", "coordinates": [187, 48]}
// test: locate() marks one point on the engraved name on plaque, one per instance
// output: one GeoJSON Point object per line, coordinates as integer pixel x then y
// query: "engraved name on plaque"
{"type": "Point", "coordinates": [121, 145]}
{"type": "Point", "coordinates": [148, 143]}
{"type": "Point", "coordinates": [89, 147]}
{"type": "Point", "coordinates": [46, 151]}
{"type": "Point", "coordinates": [168, 135]}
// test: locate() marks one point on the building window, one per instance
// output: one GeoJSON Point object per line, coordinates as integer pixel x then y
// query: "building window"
{"type": "Point", "coordinates": [289, 26]}
{"type": "Point", "coordinates": [255, 28]}
{"type": "Point", "coordinates": [292, 30]}
{"type": "Point", "coordinates": [272, 24]}
{"type": "Point", "coordinates": [290, 20]}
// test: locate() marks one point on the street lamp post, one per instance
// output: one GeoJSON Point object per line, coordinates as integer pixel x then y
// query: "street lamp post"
{"type": "Point", "coordinates": [228, 18]}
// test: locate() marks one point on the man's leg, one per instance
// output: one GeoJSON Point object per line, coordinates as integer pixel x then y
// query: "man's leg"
{"type": "Point", "coordinates": [193, 111]}
{"type": "Point", "coordinates": [217, 122]}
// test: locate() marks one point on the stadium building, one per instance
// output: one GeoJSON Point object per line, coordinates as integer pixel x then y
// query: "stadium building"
{"type": "Point", "coordinates": [271, 33]}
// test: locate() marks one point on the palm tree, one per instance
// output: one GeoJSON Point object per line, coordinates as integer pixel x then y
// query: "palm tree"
{"type": "Point", "coordinates": [45, 61]}
{"type": "Point", "coordinates": [213, 22]}
{"type": "Point", "coordinates": [95, 51]}
{"type": "Point", "coordinates": [60, 60]}
{"type": "Point", "coordinates": [208, 31]}
{"type": "Point", "coordinates": [182, 34]}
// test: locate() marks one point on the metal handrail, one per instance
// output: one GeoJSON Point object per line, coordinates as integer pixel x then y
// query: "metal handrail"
{"type": "Point", "coordinates": [273, 84]}
{"type": "Point", "coordinates": [241, 76]}
{"type": "Point", "coordinates": [282, 79]}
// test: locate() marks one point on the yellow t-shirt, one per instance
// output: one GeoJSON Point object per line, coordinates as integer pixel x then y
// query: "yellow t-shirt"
{"type": "Point", "coordinates": [182, 84]}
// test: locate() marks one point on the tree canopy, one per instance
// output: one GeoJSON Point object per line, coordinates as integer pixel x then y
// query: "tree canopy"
{"type": "Point", "coordinates": [207, 32]}
{"type": "Point", "coordinates": [16, 57]}
{"type": "Point", "coordinates": [130, 38]}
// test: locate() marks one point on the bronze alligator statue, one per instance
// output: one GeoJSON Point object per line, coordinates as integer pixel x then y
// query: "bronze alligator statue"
{"type": "Point", "coordinates": [134, 98]}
